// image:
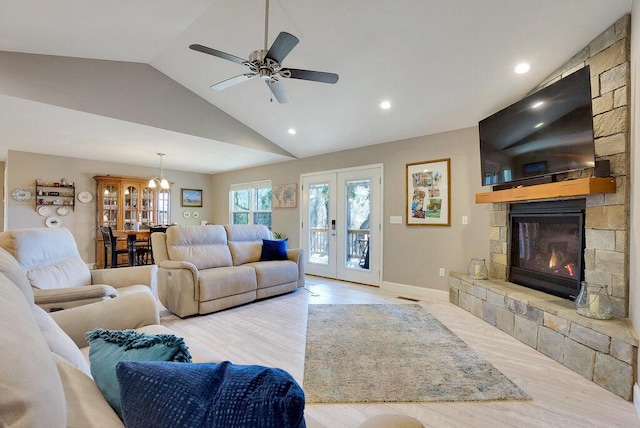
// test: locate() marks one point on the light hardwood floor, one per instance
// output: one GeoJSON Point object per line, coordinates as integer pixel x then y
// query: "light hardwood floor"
{"type": "Point", "coordinates": [272, 333]}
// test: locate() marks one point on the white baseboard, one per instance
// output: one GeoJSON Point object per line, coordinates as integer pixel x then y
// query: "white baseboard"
{"type": "Point", "coordinates": [636, 398]}
{"type": "Point", "coordinates": [412, 291]}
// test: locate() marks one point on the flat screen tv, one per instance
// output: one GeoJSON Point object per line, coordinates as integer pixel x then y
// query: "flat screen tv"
{"type": "Point", "coordinates": [546, 133]}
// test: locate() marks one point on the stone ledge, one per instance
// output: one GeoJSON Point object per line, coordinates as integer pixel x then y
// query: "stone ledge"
{"type": "Point", "coordinates": [617, 328]}
{"type": "Point", "coordinates": [603, 351]}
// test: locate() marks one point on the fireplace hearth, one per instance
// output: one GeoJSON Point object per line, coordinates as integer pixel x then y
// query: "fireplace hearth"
{"type": "Point", "coordinates": [546, 241]}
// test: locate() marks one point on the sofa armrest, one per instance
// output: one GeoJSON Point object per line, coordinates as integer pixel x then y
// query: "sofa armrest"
{"type": "Point", "coordinates": [73, 294]}
{"type": "Point", "coordinates": [178, 287]}
{"type": "Point", "coordinates": [297, 255]}
{"type": "Point", "coordinates": [132, 310]}
{"type": "Point", "coordinates": [176, 264]}
{"type": "Point", "coordinates": [126, 276]}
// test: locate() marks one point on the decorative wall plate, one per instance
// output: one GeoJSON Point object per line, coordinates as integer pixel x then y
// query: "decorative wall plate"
{"type": "Point", "coordinates": [44, 211]}
{"type": "Point", "coordinates": [186, 214]}
{"type": "Point", "coordinates": [195, 214]}
{"type": "Point", "coordinates": [53, 222]}
{"type": "Point", "coordinates": [85, 197]}
{"type": "Point", "coordinates": [21, 195]}
{"type": "Point", "coordinates": [62, 211]}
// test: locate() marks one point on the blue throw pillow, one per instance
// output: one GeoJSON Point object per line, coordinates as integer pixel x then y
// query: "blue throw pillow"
{"type": "Point", "coordinates": [274, 249]}
{"type": "Point", "coordinates": [165, 394]}
{"type": "Point", "coordinates": [108, 347]}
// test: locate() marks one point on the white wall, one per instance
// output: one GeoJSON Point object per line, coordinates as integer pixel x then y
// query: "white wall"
{"type": "Point", "coordinates": [412, 255]}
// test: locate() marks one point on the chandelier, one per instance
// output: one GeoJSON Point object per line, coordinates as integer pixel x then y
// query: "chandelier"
{"type": "Point", "coordinates": [164, 184]}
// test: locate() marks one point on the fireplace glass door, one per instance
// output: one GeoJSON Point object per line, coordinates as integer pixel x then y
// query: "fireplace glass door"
{"type": "Point", "coordinates": [547, 251]}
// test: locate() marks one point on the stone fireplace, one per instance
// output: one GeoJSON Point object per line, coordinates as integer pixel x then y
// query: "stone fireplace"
{"type": "Point", "coordinates": [602, 351]}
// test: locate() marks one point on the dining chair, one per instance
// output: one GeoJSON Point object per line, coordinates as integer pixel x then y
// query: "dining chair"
{"type": "Point", "coordinates": [143, 250]}
{"type": "Point", "coordinates": [111, 248]}
{"type": "Point", "coordinates": [152, 230]}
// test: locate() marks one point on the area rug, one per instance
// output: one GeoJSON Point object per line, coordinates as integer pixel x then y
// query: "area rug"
{"type": "Point", "coordinates": [393, 353]}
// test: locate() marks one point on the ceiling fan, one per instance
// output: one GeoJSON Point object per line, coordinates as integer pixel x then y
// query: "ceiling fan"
{"type": "Point", "coordinates": [268, 64]}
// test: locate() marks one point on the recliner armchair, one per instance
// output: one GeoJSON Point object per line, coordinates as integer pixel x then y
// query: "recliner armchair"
{"type": "Point", "coordinates": [60, 278]}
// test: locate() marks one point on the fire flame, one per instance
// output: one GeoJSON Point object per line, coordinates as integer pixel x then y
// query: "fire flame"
{"type": "Point", "coordinates": [554, 259]}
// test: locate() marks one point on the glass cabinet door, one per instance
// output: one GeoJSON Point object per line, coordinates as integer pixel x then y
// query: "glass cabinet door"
{"type": "Point", "coordinates": [131, 207]}
{"type": "Point", "coordinates": [147, 207]}
{"type": "Point", "coordinates": [110, 205]}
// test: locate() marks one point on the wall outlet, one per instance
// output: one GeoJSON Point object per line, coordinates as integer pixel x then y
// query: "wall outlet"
{"type": "Point", "coordinates": [465, 219]}
{"type": "Point", "coordinates": [395, 219]}
{"type": "Point", "coordinates": [441, 271]}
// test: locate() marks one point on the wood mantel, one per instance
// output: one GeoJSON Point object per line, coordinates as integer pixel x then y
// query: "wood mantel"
{"type": "Point", "coordinates": [562, 189]}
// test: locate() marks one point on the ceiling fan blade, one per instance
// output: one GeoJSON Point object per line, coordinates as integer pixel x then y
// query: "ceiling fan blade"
{"type": "Point", "coordinates": [281, 47]}
{"type": "Point", "coordinates": [278, 90]}
{"type": "Point", "coordinates": [233, 81]}
{"type": "Point", "coordinates": [217, 53]}
{"type": "Point", "coordinates": [316, 76]}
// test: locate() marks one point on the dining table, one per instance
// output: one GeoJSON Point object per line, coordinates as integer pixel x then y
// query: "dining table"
{"type": "Point", "coordinates": [133, 238]}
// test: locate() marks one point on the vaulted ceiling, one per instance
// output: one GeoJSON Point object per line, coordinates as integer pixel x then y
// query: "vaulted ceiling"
{"type": "Point", "coordinates": [116, 81]}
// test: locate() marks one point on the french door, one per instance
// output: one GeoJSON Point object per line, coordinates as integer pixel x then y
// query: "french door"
{"type": "Point", "coordinates": [341, 226]}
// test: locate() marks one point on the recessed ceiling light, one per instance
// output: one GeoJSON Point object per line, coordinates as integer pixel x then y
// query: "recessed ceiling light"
{"type": "Point", "coordinates": [291, 131]}
{"type": "Point", "coordinates": [522, 68]}
{"type": "Point", "coordinates": [385, 105]}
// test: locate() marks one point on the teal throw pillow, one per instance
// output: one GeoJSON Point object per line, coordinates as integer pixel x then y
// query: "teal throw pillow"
{"type": "Point", "coordinates": [168, 395]}
{"type": "Point", "coordinates": [274, 249]}
{"type": "Point", "coordinates": [108, 347]}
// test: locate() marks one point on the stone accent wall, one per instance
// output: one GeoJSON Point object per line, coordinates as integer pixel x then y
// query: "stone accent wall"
{"type": "Point", "coordinates": [607, 216]}
{"type": "Point", "coordinates": [604, 352]}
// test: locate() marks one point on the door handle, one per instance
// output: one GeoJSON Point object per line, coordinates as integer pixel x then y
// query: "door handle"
{"type": "Point", "coordinates": [333, 225]}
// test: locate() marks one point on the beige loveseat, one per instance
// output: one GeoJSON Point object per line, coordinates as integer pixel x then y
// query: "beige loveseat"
{"type": "Point", "coordinates": [60, 278]}
{"type": "Point", "coordinates": [203, 269]}
{"type": "Point", "coordinates": [44, 374]}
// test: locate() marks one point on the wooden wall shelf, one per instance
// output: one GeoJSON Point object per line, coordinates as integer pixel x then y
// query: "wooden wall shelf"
{"type": "Point", "coordinates": [562, 189]}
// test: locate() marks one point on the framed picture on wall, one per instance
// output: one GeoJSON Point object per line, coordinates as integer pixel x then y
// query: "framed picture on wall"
{"type": "Point", "coordinates": [428, 193]}
{"type": "Point", "coordinates": [191, 198]}
{"type": "Point", "coordinates": [284, 196]}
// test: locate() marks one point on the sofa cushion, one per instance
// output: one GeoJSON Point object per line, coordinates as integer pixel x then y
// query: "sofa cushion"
{"type": "Point", "coordinates": [108, 347]}
{"type": "Point", "coordinates": [49, 257]}
{"type": "Point", "coordinates": [245, 241]}
{"type": "Point", "coordinates": [86, 406]}
{"type": "Point", "coordinates": [275, 272]}
{"type": "Point", "coordinates": [165, 394]}
{"type": "Point", "coordinates": [58, 341]}
{"type": "Point", "coordinates": [274, 249]}
{"type": "Point", "coordinates": [31, 394]}
{"type": "Point", "coordinates": [204, 246]}
{"type": "Point", "coordinates": [226, 281]}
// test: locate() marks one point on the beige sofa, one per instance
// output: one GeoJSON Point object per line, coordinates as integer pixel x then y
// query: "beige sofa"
{"type": "Point", "coordinates": [204, 269]}
{"type": "Point", "coordinates": [60, 278]}
{"type": "Point", "coordinates": [44, 374]}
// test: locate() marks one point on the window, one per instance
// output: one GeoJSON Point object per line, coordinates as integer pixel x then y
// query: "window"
{"type": "Point", "coordinates": [250, 203]}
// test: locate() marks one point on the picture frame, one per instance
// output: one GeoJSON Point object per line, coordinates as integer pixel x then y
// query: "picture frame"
{"type": "Point", "coordinates": [284, 196]}
{"type": "Point", "coordinates": [428, 198]}
{"type": "Point", "coordinates": [191, 198]}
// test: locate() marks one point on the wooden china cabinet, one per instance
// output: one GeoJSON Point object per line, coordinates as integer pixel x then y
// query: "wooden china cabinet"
{"type": "Point", "coordinates": [121, 201]}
